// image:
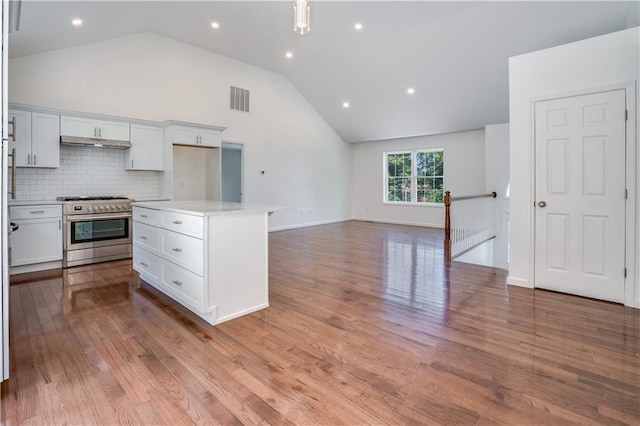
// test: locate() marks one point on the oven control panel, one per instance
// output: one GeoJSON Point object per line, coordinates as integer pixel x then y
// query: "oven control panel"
{"type": "Point", "coordinates": [93, 207]}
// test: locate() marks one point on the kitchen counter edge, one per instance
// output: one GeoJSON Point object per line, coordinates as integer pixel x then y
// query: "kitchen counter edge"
{"type": "Point", "coordinates": [208, 208]}
{"type": "Point", "coordinates": [12, 203]}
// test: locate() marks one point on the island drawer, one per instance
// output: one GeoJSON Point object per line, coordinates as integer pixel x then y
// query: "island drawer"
{"type": "Point", "coordinates": [183, 223]}
{"type": "Point", "coordinates": [150, 216]}
{"type": "Point", "coordinates": [147, 237]}
{"type": "Point", "coordinates": [35, 211]}
{"type": "Point", "coordinates": [186, 286]}
{"type": "Point", "coordinates": [183, 250]}
{"type": "Point", "coordinates": [146, 263]}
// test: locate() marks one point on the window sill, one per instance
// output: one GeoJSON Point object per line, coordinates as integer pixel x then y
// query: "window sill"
{"type": "Point", "coordinates": [403, 204]}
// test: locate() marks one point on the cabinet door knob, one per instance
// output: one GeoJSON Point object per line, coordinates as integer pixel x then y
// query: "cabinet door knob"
{"type": "Point", "coordinates": [176, 282]}
{"type": "Point", "coordinates": [144, 215]}
{"type": "Point", "coordinates": [542, 204]}
{"type": "Point", "coordinates": [177, 222]}
{"type": "Point", "coordinates": [143, 264]}
{"type": "Point", "coordinates": [142, 237]}
{"type": "Point", "coordinates": [177, 249]}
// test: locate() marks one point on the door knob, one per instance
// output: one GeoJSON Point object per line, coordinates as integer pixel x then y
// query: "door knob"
{"type": "Point", "coordinates": [542, 204]}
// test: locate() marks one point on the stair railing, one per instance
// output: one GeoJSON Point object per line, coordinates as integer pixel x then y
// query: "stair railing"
{"type": "Point", "coordinates": [469, 221]}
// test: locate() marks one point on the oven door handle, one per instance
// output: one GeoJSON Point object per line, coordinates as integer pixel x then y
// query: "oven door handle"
{"type": "Point", "coordinates": [88, 217]}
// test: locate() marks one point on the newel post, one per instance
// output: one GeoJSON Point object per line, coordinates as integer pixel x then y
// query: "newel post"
{"type": "Point", "coordinates": [447, 225]}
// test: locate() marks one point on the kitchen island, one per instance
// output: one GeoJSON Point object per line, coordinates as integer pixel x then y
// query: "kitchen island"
{"type": "Point", "coordinates": [211, 257]}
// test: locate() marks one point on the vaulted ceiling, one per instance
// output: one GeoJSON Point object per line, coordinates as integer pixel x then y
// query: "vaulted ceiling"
{"type": "Point", "coordinates": [453, 54]}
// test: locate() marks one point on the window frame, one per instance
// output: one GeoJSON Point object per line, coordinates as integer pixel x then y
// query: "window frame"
{"type": "Point", "coordinates": [413, 177]}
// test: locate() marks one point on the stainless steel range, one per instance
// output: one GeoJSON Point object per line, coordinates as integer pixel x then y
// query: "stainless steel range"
{"type": "Point", "coordinates": [96, 229]}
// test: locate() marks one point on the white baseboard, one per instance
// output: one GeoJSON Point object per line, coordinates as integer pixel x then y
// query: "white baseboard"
{"type": "Point", "coordinates": [511, 280]}
{"type": "Point", "coordinates": [35, 267]}
{"type": "Point", "coordinates": [399, 222]}
{"type": "Point", "coordinates": [308, 224]}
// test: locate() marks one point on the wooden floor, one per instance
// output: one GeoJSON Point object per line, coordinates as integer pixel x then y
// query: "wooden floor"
{"type": "Point", "coordinates": [367, 325]}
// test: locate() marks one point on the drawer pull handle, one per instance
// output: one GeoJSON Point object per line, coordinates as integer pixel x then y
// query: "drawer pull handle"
{"type": "Point", "coordinates": [142, 237]}
{"type": "Point", "coordinates": [176, 282]}
{"type": "Point", "coordinates": [143, 264]}
{"type": "Point", "coordinates": [36, 211]}
{"type": "Point", "coordinates": [177, 249]}
{"type": "Point", "coordinates": [177, 222]}
{"type": "Point", "coordinates": [144, 215]}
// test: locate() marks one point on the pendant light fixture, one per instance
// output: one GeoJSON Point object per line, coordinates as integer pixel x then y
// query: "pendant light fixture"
{"type": "Point", "coordinates": [301, 12]}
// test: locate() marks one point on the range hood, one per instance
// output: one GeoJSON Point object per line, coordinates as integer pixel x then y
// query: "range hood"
{"type": "Point", "coordinates": [106, 143]}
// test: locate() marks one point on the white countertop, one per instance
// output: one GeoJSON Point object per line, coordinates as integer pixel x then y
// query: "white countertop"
{"type": "Point", "coordinates": [32, 203]}
{"type": "Point", "coordinates": [208, 208]}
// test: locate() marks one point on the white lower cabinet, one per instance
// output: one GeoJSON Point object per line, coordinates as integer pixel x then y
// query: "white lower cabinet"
{"type": "Point", "coordinates": [38, 240]}
{"type": "Point", "coordinates": [214, 265]}
{"type": "Point", "coordinates": [185, 286]}
{"type": "Point", "coordinates": [146, 263]}
{"type": "Point", "coordinates": [183, 250]}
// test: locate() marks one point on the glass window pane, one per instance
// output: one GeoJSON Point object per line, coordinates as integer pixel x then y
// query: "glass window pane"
{"type": "Point", "coordinates": [399, 164]}
{"type": "Point", "coordinates": [421, 164]}
{"type": "Point", "coordinates": [438, 163]}
{"type": "Point", "coordinates": [430, 164]}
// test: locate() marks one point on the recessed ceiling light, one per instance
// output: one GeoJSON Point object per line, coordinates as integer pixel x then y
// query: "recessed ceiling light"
{"type": "Point", "coordinates": [411, 91]}
{"type": "Point", "coordinates": [289, 55]}
{"type": "Point", "coordinates": [77, 22]}
{"type": "Point", "coordinates": [215, 25]}
{"type": "Point", "coordinates": [358, 26]}
{"type": "Point", "coordinates": [345, 104]}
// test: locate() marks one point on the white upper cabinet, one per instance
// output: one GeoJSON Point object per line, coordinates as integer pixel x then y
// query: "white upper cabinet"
{"type": "Point", "coordinates": [92, 128]}
{"type": "Point", "coordinates": [36, 138]}
{"type": "Point", "coordinates": [192, 135]}
{"type": "Point", "coordinates": [146, 152]}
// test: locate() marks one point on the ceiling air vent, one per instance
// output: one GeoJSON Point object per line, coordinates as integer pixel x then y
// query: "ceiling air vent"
{"type": "Point", "coordinates": [239, 99]}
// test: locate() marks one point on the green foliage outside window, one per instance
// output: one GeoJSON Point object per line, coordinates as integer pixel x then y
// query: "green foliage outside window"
{"type": "Point", "coordinates": [424, 169]}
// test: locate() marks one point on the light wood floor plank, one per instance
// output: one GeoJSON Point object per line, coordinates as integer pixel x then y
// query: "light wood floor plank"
{"type": "Point", "coordinates": [367, 324]}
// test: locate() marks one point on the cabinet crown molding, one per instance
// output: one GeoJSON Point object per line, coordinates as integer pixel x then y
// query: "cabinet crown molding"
{"type": "Point", "coordinates": [60, 111]}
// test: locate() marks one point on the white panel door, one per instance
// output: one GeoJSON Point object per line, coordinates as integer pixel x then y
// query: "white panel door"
{"type": "Point", "coordinates": [580, 195]}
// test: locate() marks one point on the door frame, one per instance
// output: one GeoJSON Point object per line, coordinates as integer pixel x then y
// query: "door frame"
{"type": "Point", "coordinates": [631, 290]}
{"type": "Point", "coordinates": [242, 150]}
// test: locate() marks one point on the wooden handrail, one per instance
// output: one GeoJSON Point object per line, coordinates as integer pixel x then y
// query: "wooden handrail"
{"type": "Point", "coordinates": [470, 197]}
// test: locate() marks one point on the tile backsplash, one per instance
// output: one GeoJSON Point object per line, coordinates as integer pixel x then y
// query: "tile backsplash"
{"type": "Point", "coordinates": [86, 171]}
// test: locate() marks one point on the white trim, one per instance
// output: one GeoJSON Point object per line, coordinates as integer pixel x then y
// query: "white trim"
{"type": "Point", "coordinates": [308, 224]}
{"type": "Point", "coordinates": [45, 266]}
{"type": "Point", "coordinates": [519, 282]}
{"type": "Point", "coordinates": [631, 290]}
{"type": "Point", "coordinates": [411, 204]}
{"type": "Point", "coordinates": [399, 222]}
{"type": "Point", "coordinates": [358, 219]}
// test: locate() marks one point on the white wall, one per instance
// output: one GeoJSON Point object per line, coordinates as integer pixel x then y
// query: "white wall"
{"type": "Point", "coordinates": [583, 65]}
{"type": "Point", "coordinates": [464, 174]}
{"type": "Point", "coordinates": [497, 179]}
{"type": "Point", "coordinates": [151, 77]}
{"type": "Point", "coordinates": [189, 173]}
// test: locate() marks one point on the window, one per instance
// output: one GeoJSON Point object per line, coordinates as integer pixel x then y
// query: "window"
{"type": "Point", "coordinates": [414, 176]}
